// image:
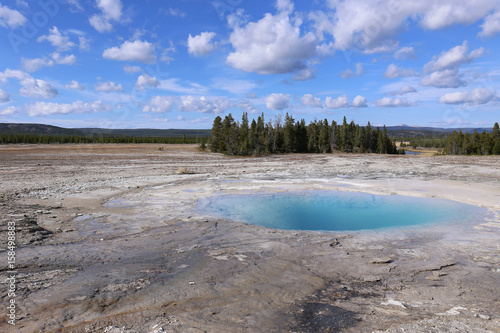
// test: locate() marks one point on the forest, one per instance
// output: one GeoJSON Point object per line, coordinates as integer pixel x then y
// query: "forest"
{"type": "Point", "coordinates": [50, 139]}
{"type": "Point", "coordinates": [290, 136]}
{"type": "Point", "coordinates": [459, 143]}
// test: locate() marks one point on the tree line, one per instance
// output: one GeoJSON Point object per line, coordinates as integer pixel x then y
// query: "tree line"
{"type": "Point", "coordinates": [68, 139]}
{"type": "Point", "coordinates": [485, 143]}
{"type": "Point", "coordinates": [290, 136]}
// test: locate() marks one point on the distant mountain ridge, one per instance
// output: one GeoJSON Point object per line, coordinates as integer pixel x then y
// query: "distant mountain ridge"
{"type": "Point", "coordinates": [41, 129]}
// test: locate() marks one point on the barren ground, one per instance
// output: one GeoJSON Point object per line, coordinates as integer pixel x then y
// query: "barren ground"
{"type": "Point", "coordinates": [108, 240]}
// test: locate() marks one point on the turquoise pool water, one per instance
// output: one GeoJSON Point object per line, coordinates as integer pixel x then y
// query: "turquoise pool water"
{"type": "Point", "coordinates": [336, 210]}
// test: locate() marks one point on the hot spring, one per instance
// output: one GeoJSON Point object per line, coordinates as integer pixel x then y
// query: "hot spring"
{"type": "Point", "coordinates": [336, 210]}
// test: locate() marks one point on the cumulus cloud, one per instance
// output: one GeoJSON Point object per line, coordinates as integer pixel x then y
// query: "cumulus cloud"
{"type": "Point", "coordinates": [62, 43]}
{"type": "Point", "coordinates": [304, 74]}
{"type": "Point", "coordinates": [47, 109]}
{"type": "Point", "coordinates": [132, 51]}
{"type": "Point", "coordinates": [108, 87]}
{"type": "Point", "coordinates": [132, 69]}
{"type": "Point", "coordinates": [388, 102]}
{"type": "Point", "coordinates": [404, 90]}
{"type": "Point", "coordinates": [277, 101]}
{"type": "Point", "coordinates": [160, 104]}
{"type": "Point", "coordinates": [8, 111]}
{"type": "Point", "coordinates": [405, 53]}
{"type": "Point", "coordinates": [271, 45]}
{"type": "Point", "coordinates": [394, 71]}
{"type": "Point", "coordinates": [37, 88]}
{"type": "Point", "coordinates": [310, 100]}
{"type": "Point", "coordinates": [359, 102]}
{"type": "Point", "coordinates": [4, 97]}
{"type": "Point", "coordinates": [347, 74]}
{"type": "Point", "coordinates": [31, 87]}
{"type": "Point", "coordinates": [453, 58]}
{"type": "Point", "coordinates": [475, 97]}
{"type": "Point", "coordinates": [369, 25]}
{"type": "Point", "coordinates": [201, 45]}
{"type": "Point", "coordinates": [111, 10]}
{"type": "Point", "coordinates": [337, 103]}
{"type": "Point", "coordinates": [491, 25]}
{"type": "Point", "coordinates": [145, 80]}
{"type": "Point", "coordinates": [75, 85]}
{"type": "Point", "coordinates": [13, 74]}
{"type": "Point", "coordinates": [11, 18]}
{"type": "Point", "coordinates": [203, 104]}
{"type": "Point", "coordinates": [84, 43]}
{"type": "Point", "coordinates": [449, 78]}
{"type": "Point", "coordinates": [33, 65]}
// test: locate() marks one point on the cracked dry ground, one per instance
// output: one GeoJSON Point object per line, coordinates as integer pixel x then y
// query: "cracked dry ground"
{"type": "Point", "coordinates": [109, 240]}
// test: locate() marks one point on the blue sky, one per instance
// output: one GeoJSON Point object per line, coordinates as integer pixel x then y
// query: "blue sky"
{"type": "Point", "coordinates": [180, 63]}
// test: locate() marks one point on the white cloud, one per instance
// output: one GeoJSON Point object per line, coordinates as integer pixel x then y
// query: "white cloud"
{"type": "Point", "coordinates": [111, 10]}
{"type": "Point", "coordinates": [204, 104]}
{"type": "Point", "coordinates": [13, 74]}
{"type": "Point", "coordinates": [394, 71]}
{"type": "Point", "coordinates": [246, 106]}
{"type": "Point", "coordinates": [271, 45]}
{"type": "Point", "coordinates": [4, 97]}
{"type": "Point", "coordinates": [277, 101]}
{"type": "Point", "coordinates": [8, 111]}
{"type": "Point", "coordinates": [46, 109]}
{"type": "Point", "coordinates": [132, 69]}
{"type": "Point", "coordinates": [132, 51]}
{"type": "Point", "coordinates": [175, 12]}
{"type": "Point", "coordinates": [337, 103]}
{"type": "Point", "coordinates": [234, 86]}
{"type": "Point", "coordinates": [347, 74]}
{"type": "Point", "coordinates": [360, 69]}
{"type": "Point", "coordinates": [475, 97]}
{"type": "Point", "coordinates": [74, 85]}
{"type": "Point", "coordinates": [366, 24]}
{"type": "Point", "coordinates": [37, 88]}
{"type": "Point", "coordinates": [448, 78]}
{"type": "Point", "coordinates": [84, 43]}
{"type": "Point", "coordinates": [62, 43]}
{"type": "Point", "coordinates": [11, 18]}
{"type": "Point", "coordinates": [304, 74]}
{"type": "Point", "coordinates": [388, 102]}
{"type": "Point", "coordinates": [405, 53]}
{"type": "Point", "coordinates": [160, 104]}
{"type": "Point", "coordinates": [172, 85]}
{"type": "Point", "coordinates": [33, 65]}
{"type": "Point", "coordinates": [405, 90]}
{"type": "Point", "coordinates": [359, 102]}
{"type": "Point", "coordinates": [200, 45]}
{"type": "Point", "coordinates": [108, 87]}
{"type": "Point", "coordinates": [69, 59]}
{"type": "Point", "coordinates": [145, 80]}
{"type": "Point", "coordinates": [453, 58]}
{"type": "Point", "coordinates": [310, 100]}
{"type": "Point", "coordinates": [491, 25]}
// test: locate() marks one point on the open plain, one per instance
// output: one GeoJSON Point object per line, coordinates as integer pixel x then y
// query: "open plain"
{"type": "Point", "coordinates": [108, 239]}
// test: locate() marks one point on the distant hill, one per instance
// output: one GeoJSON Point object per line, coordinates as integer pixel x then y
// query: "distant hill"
{"type": "Point", "coordinates": [418, 132]}
{"type": "Point", "coordinates": [39, 129]}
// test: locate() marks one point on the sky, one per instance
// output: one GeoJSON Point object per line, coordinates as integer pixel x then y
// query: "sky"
{"type": "Point", "coordinates": [181, 63]}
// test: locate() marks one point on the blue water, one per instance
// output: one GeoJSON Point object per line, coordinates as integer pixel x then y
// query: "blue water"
{"type": "Point", "coordinates": [336, 210]}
